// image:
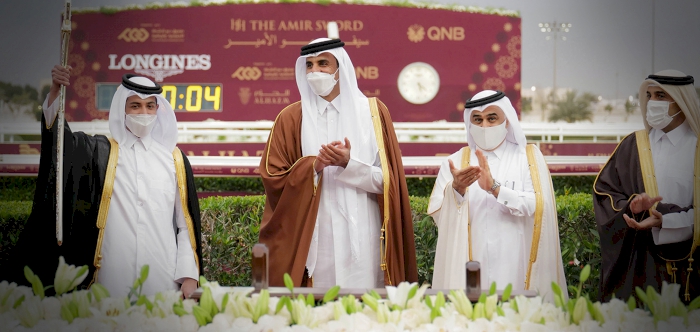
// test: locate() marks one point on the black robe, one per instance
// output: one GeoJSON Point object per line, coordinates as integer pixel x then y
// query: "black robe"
{"type": "Point", "coordinates": [629, 257]}
{"type": "Point", "coordinates": [85, 164]}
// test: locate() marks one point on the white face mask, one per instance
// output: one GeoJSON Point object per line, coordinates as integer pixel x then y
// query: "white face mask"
{"type": "Point", "coordinates": [321, 83]}
{"type": "Point", "coordinates": [657, 114]}
{"type": "Point", "coordinates": [140, 124]}
{"type": "Point", "coordinates": [488, 138]}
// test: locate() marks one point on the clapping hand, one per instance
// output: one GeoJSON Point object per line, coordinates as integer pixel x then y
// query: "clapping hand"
{"type": "Point", "coordinates": [654, 220]}
{"type": "Point", "coordinates": [643, 202]}
{"type": "Point", "coordinates": [335, 153]}
{"type": "Point", "coordinates": [464, 177]}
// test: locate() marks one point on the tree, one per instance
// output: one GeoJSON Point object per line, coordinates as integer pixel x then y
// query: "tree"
{"type": "Point", "coordinates": [526, 104]}
{"type": "Point", "coordinates": [609, 108]}
{"type": "Point", "coordinates": [19, 98]}
{"type": "Point", "coordinates": [630, 107]}
{"type": "Point", "coordinates": [573, 107]}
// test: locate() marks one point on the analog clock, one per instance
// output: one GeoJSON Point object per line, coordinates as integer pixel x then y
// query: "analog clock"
{"type": "Point", "coordinates": [418, 83]}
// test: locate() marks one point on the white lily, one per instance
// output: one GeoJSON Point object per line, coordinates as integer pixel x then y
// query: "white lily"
{"type": "Point", "coordinates": [68, 276]}
{"type": "Point", "coordinates": [30, 311]}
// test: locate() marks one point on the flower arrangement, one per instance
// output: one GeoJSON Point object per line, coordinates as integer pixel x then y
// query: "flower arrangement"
{"type": "Point", "coordinates": [406, 308]}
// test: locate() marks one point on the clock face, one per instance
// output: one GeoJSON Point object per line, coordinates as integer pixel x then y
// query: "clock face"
{"type": "Point", "coordinates": [418, 83]}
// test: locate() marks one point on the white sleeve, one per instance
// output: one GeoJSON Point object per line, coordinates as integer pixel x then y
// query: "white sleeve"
{"type": "Point", "coordinates": [364, 176]}
{"type": "Point", "coordinates": [50, 111]}
{"type": "Point", "coordinates": [677, 227]}
{"type": "Point", "coordinates": [185, 267]}
{"type": "Point", "coordinates": [519, 203]}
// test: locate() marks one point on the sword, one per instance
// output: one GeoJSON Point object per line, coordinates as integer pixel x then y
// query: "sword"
{"type": "Point", "coordinates": [65, 39]}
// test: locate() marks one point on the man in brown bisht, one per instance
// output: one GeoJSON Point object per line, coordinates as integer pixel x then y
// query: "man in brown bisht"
{"type": "Point", "coordinates": [337, 209]}
{"type": "Point", "coordinates": [644, 196]}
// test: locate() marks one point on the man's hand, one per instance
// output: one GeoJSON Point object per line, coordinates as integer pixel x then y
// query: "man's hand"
{"type": "Point", "coordinates": [188, 287]}
{"type": "Point", "coordinates": [335, 154]}
{"type": "Point", "coordinates": [463, 178]}
{"type": "Point", "coordinates": [643, 202]}
{"type": "Point", "coordinates": [654, 220]}
{"type": "Point", "coordinates": [485, 179]}
{"type": "Point", "coordinates": [59, 76]}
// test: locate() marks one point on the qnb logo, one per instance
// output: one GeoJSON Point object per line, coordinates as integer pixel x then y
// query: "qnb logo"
{"type": "Point", "coordinates": [247, 73]}
{"type": "Point", "coordinates": [130, 35]}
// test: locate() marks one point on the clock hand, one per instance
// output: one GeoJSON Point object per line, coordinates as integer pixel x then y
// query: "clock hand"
{"type": "Point", "coordinates": [420, 86]}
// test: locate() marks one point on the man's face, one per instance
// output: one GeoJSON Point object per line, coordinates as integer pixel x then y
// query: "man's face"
{"type": "Point", "coordinates": [489, 117]}
{"type": "Point", "coordinates": [657, 93]}
{"type": "Point", "coordinates": [136, 105]}
{"type": "Point", "coordinates": [324, 62]}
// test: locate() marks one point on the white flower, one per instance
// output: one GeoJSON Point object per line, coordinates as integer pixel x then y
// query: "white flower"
{"type": "Point", "coordinates": [30, 311]}
{"type": "Point", "coordinates": [68, 276]}
{"type": "Point", "coordinates": [242, 324]}
{"type": "Point", "coordinates": [271, 323]}
{"type": "Point", "coordinates": [168, 323]}
{"type": "Point", "coordinates": [188, 323]}
{"type": "Point", "coordinates": [414, 317]}
{"type": "Point", "coordinates": [399, 295]}
{"type": "Point", "coordinates": [324, 313]}
{"type": "Point", "coordinates": [52, 307]}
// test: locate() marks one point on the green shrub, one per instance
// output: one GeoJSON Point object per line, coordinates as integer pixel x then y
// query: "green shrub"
{"type": "Point", "coordinates": [579, 240]}
{"type": "Point", "coordinates": [17, 188]}
{"type": "Point", "coordinates": [13, 215]}
{"type": "Point", "coordinates": [564, 185]}
{"type": "Point", "coordinates": [230, 228]}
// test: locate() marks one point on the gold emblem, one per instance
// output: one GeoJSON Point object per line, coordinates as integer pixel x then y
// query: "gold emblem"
{"type": "Point", "coordinates": [247, 73]}
{"type": "Point", "coordinates": [244, 94]}
{"type": "Point", "coordinates": [134, 35]}
{"type": "Point", "coordinates": [415, 33]}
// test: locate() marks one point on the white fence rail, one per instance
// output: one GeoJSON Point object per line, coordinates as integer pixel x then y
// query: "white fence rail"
{"type": "Point", "coordinates": [258, 131]}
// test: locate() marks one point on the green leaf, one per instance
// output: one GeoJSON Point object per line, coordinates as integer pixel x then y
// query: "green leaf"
{"type": "Point", "coordinates": [500, 311]}
{"type": "Point", "coordinates": [428, 302]}
{"type": "Point", "coordinates": [289, 283]}
{"type": "Point", "coordinates": [178, 310]}
{"type": "Point", "coordinates": [281, 303]}
{"type": "Point", "coordinates": [585, 273]}
{"type": "Point", "coordinates": [482, 298]}
{"type": "Point", "coordinates": [144, 274]}
{"type": "Point", "coordinates": [632, 303]}
{"type": "Point", "coordinates": [370, 301]}
{"type": "Point", "coordinates": [492, 290]}
{"type": "Point", "coordinates": [18, 302]}
{"type": "Point", "coordinates": [310, 301]}
{"type": "Point", "coordinates": [374, 294]}
{"type": "Point", "coordinates": [66, 314]}
{"type": "Point", "coordinates": [99, 291]}
{"type": "Point", "coordinates": [201, 315]}
{"type": "Point", "coordinates": [331, 294]}
{"type": "Point", "coordinates": [695, 304]}
{"type": "Point", "coordinates": [224, 302]}
{"type": "Point", "coordinates": [506, 293]}
{"type": "Point", "coordinates": [411, 293]}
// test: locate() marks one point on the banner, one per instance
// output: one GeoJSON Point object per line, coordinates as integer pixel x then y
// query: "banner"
{"type": "Point", "coordinates": [235, 62]}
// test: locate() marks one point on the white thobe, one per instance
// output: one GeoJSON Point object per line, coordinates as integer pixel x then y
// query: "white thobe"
{"type": "Point", "coordinates": [673, 154]}
{"type": "Point", "coordinates": [145, 223]}
{"type": "Point", "coordinates": [330, 260]}
{"type": "Point", "coordinates": [498, 225]}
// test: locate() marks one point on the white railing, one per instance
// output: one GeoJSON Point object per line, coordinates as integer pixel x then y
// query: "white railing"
{"type": "Point", "coordinates": [258, 131]}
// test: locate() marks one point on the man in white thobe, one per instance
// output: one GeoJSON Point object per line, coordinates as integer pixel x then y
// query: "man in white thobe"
{"type": "Point", "coordinates": [645, 195]}
{"type": "Point", "coordinates": [489, 205]}
{"type": "Point", "coordinates": [129, 200]}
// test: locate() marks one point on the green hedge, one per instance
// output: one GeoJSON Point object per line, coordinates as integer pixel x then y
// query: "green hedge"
{"type": "Point", "coordinates": [230, 228]}
{"type": "Point", "coordinates": [22, 188]}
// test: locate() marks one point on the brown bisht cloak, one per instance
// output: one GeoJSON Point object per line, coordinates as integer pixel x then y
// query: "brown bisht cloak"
{"type": "Point", "coordinates": [629, 257]}
{"type": "Point", "coordinates": [292, 201]}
